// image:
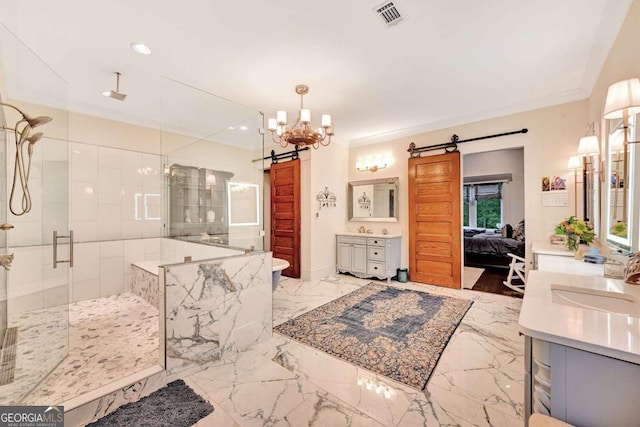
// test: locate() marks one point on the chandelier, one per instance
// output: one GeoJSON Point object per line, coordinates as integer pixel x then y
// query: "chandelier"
{"type": "Point", "coordinates": [300, 132]}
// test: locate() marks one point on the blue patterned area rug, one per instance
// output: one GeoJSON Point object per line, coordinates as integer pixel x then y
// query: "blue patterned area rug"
{"type": "Point", "coordinates": [175, 405]}
{"type": "Point", "coordinates": [394, 332]}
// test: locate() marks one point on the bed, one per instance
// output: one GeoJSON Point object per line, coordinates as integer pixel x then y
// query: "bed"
{"type": "Point", "coordinates": [484, 243]}
{"type": "Point", "coordinates": [490, 247]}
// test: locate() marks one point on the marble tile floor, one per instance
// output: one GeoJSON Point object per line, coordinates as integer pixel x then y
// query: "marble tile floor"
{"type": "Point", "coordinates": [479, 380]}
{"type": "Point", "coordinates": [109, 338]}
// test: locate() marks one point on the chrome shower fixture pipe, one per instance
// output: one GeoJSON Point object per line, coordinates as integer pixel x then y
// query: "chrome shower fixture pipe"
{"type": "Point", "coordinates": [116, 94]}
{"type": "Point", "coordinates": [21, 171]}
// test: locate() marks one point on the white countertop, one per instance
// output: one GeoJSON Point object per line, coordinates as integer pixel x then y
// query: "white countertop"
{"type": "Point", "coordinates": [375, 235]}
{"type": "Point", "coordinates": [542, 247]}
{"type": "Point", "coordinates": [609, 334]}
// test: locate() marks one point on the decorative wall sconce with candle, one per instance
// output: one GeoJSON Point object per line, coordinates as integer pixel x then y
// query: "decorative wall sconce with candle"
{"type": "Point", "coordinates": [326, 199]}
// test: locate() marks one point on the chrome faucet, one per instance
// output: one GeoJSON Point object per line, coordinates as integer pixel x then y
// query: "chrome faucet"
{"type": "Point", "coordinates": [6, 260]}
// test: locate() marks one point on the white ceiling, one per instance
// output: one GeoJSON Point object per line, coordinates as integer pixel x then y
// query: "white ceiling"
{"type": "Point", "coordinates": [446, 63]}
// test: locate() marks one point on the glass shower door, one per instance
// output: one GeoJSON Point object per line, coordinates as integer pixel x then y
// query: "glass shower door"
{"type": "Point", "coordinates": [37, 288]}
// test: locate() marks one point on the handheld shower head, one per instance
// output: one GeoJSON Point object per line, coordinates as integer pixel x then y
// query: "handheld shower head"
{"type": "Point", "coordinates": [35, 138]}
{"type": "Point", "coordinates": [32, 141]}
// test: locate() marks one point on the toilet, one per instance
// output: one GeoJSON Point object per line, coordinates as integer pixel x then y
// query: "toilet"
{"type": "Point", "coordinates": [278, 265]}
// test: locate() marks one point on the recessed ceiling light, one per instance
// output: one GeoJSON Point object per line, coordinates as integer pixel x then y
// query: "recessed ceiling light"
{"type": "Point", "coordinates": [141, 48]}
{"type": "Point", "coordinates": [231, 128]}
{"type": "Point", "coordinates": [244, 127]}
{"type": "Point", "coordinates": [106, 93]}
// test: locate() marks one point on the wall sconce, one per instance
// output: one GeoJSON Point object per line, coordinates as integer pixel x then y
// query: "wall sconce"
{"type": "Point", "coordinates": [210, 181]}
{"type": "Point", "coordinates": [326, 199]}
{"type": "Point", "coordinates": [587, 148]}
{"type": "Point", "coordinates": [623, 99]}
{"type": "Point", "coordinates": [364, 201]}
{"type": "Point", "coordinates": [575, 164]}
{"type": "Point", "coordinates": [372, 165]}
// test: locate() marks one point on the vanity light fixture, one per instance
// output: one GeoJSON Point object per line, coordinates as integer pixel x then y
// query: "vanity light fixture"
{"type": "Point", "coordinates": [141, 48]}
{"type": "Point", "coordinates": [623, 99]}
{"type": "Point", "coordinates": [363, 167]}
{"type": "Point", "coordinates": [300, 132]}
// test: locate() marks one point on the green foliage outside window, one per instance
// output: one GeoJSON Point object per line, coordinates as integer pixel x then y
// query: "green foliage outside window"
{"type": "Point", "coordinates": [465, 214]}
{"type": "Point", "coordinates": [488, 213]}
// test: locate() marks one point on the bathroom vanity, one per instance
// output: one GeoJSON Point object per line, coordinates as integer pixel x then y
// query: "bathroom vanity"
{"type": "Point", "coordinates": [582, 349]}
{"type": "Point", "coordinates": [368, 255]}
{"type": "Point", "coordinates": [557, 259]}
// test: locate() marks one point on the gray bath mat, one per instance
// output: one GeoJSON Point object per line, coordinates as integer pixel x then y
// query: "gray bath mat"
{"type": "Point", "coordinates": [175, 405]}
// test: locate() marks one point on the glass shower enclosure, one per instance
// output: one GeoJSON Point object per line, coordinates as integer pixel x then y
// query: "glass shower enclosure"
{"type": "Point", "coordinates": [34, 288]}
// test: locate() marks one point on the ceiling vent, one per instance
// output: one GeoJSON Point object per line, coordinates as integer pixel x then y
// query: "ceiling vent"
{"type": "Point", "coordinates": [389, 13]}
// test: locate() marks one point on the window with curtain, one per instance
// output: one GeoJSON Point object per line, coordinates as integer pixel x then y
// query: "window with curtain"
{"type": "Point", "coordinates": [482, 205]}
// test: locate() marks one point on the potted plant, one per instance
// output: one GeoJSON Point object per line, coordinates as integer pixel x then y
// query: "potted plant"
{"type": "Point", "coordinates": [576, 231]}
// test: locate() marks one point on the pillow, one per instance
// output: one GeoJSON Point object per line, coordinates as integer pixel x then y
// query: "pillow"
{"type": "Point", "coordinates": [518, 231]}
{"type": "Point", "coordinates": [507, 231]}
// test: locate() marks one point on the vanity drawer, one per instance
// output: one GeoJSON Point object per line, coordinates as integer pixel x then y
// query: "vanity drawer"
{"type": "Point", "coordinates": [376, 268]}
{"type": "Point", "coordinates": [376, 241]}
{"type": "Point", "coordinates": [352, 240]}
{"type": "Point", "coordinates": [375, 253]}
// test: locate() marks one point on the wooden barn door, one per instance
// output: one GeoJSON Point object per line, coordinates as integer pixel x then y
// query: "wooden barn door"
{"type": "Point", "coordinates": [434, 220]}
{"type": "Point", "coordinates": [285, 214]}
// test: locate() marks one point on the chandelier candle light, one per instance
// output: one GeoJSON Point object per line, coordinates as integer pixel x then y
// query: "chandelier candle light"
{"type": "Point", "coordinates": [300, 132]}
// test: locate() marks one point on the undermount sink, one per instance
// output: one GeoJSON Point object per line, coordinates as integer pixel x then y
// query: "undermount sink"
{"type": "Point", "coordinates": [610, 302]}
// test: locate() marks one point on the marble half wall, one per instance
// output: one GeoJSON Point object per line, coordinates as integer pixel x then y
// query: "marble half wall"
{"type": "Point", "coordinates": [215, 308]}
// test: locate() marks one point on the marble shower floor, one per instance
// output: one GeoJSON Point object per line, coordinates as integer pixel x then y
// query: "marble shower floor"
{"type": "Point", "coordinates": [479, 380]}
{"type": "Point", "coordinates": [109, 338]}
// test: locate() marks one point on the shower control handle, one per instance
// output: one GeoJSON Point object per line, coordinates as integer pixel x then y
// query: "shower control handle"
{"type": "Point", "coordinates": [55, 249]}
{"type": "Point", "coordinates": [5, 227]}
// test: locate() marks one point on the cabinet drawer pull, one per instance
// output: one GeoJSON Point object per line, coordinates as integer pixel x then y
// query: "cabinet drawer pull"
{"type": "Point", "coordinates": [375, 253]}
{"type": "Point", "coordinates": [375, 268]}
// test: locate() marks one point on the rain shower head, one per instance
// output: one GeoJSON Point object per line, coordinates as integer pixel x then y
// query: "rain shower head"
{"type": "Point", "coordinates": [116, 94]}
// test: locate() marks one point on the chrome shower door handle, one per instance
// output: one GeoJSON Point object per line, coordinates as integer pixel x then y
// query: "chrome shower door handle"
{"type": "Point", "coordinates": [55, 248]}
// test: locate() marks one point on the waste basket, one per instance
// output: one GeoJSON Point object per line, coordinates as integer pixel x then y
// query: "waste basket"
{"type": "Point", "coordinates": [403, 275]}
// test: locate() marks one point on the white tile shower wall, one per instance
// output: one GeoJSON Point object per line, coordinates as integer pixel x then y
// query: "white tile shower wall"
{"type": "Point", "coordinates": [104, 268]}
{"type": "Point", "coordinates": [116, 194]}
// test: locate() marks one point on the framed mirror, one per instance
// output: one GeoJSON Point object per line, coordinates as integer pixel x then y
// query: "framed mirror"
{"type": "Point", "coordinates": [374, 200]}
{"type": "Point", "coordinates": [619, 183]}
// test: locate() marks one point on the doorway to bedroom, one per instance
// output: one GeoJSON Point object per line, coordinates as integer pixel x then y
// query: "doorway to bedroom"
{"type": "Point", "coordinates": [493, 217]}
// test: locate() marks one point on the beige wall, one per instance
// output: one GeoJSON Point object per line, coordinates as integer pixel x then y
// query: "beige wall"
{"type": "Point", "coordinates": [553, 137]}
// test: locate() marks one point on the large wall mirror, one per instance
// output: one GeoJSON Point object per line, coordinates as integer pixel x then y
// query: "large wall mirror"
{"type": "Point", "coordinates": [374, 200]}
{"type": "Point", "coordinates": [619, 183]}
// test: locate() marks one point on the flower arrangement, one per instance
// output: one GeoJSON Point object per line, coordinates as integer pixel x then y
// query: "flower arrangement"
{"type": "Point", "coordinates": [576, 230]}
